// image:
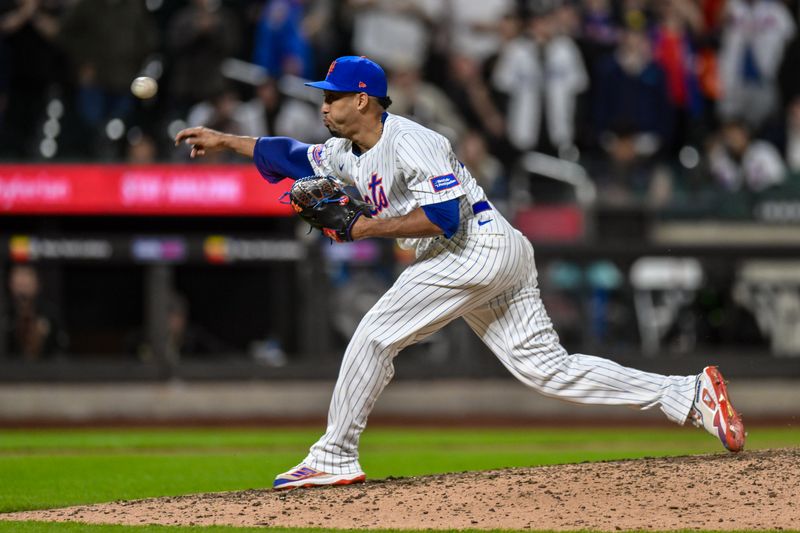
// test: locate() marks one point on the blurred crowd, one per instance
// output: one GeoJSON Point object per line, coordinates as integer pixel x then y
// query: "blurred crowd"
{"type": "Point", "coordinates": [660, 100]}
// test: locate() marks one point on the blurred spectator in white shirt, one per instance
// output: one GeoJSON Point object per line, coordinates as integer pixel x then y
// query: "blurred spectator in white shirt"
{"type": "Point", "coordinates": [754, 37]}
{"type": "Point", "coordinates": [395, 32]}
{"type": "Point", "coordinates": [476, 28]}
{"type": "Point", "coordinates": [737, 162]}
{"type": "Point", "coordinates": [542, 73]}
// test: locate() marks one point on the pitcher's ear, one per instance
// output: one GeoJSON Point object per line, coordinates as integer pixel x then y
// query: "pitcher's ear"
{"type": "Point", "coordinates": [362, 100]}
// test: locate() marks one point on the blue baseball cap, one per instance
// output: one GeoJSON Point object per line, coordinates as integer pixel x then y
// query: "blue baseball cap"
{"type": "Point", "coordinates": [354, 74]}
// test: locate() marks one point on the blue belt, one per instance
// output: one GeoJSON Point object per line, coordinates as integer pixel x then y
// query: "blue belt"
{"type": "Point", "coordinates": [480, 207]}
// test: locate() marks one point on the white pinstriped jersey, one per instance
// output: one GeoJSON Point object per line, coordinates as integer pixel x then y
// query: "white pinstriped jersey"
{"type": "Point", "coordinates": [409, 167]}
{"type": "Point", "coordinates": [485, 273]}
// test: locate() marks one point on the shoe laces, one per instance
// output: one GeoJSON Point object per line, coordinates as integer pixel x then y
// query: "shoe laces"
{"type": "Point", "coordinates": [696, 418]}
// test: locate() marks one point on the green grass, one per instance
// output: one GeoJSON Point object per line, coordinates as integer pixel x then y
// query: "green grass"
{"type": "Point", "coordinates": [54, 468]}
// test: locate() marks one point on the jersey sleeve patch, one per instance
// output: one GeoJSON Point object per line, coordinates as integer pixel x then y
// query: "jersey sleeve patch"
{"type": "Point", "coordinates": [317, 154]}
{"type": "Point", "coordinates": [444, 182]}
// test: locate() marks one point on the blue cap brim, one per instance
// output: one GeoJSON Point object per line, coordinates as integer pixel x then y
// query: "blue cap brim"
{"type": "Point", "coordinates": [328, 86]}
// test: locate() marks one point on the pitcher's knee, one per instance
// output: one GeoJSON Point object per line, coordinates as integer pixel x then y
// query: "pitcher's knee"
{"type": "Point", "coordinates": [541, 366]}
{"type": "Point", "coordinates": [376, 343]}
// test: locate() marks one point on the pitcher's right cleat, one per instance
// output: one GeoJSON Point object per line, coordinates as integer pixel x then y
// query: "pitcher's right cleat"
{"type": "Point", "coordinates": [713, 410]}
{"type": "Point", "coordinates": [303, 476]}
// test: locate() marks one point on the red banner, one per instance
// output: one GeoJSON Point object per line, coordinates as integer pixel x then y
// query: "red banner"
{"type": "Point", "coordinates": [139, 190]}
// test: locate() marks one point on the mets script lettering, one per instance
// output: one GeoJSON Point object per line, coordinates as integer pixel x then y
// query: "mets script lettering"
{"type": "Point", "coordinates": [376, 195]}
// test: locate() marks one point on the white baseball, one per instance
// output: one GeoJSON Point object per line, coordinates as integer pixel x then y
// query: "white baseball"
{"type": "Point", "coordinates": [144, 87]}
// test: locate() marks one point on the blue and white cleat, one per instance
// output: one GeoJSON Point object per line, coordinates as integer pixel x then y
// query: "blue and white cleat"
{"type": "Point", "coordinates": [713, 410]}
{"type": "Point", "coordinates": [303, 476]}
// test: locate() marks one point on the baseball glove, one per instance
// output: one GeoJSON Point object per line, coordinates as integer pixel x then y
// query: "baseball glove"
{"type": "Point", "coordinates": [323, 203]}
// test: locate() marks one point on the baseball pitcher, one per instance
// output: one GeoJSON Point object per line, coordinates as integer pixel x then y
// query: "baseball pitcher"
{"type": "Point", "coordinates": [470, 263]}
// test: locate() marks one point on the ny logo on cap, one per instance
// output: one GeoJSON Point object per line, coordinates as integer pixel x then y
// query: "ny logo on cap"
{"type": "Point", "coordinates": [330, 69]}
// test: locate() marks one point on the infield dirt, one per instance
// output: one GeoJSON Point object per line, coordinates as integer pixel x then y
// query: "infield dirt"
{"type": "Point", "coordinates": [750, 490]}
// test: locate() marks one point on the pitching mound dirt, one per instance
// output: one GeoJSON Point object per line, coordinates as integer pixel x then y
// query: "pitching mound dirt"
{"type": "Point", "coordinates": [751, 490]}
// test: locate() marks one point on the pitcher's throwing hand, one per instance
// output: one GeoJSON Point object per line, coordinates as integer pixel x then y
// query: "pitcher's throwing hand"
{"type": "Point", "coordinates": [205, 140]}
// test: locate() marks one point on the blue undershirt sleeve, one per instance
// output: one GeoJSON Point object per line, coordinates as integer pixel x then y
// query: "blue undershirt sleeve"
{"type": "Point", "coordinates": [445, 215]}
{"type": "Point", "coordinates": [281, 157]}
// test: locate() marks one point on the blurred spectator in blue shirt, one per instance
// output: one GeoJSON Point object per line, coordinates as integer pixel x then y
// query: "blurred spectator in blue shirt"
{"type": "Point", "coordinates": [630, 89]}
{"type": "Point", "coordinates": [282, 46]}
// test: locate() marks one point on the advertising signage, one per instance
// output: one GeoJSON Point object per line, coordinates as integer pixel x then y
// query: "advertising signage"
{"type": "Point", "coordinates": [144, 249]}
{"type": "Point", "coordinates": [180, 190]}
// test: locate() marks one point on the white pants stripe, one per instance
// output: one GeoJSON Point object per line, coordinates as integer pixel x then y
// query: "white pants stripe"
{"type": "Point", "coordinates": [490, 280]}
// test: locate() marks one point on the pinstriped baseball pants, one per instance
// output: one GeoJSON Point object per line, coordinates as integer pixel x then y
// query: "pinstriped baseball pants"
{"type": "Point", "coordinates": [490, 280]}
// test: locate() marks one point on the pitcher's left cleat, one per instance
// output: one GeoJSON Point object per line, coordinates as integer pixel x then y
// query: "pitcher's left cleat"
{"type": "Point", "coordinates": [713, 410]}
{"type": "Point", "coordinates": [303, 476]}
